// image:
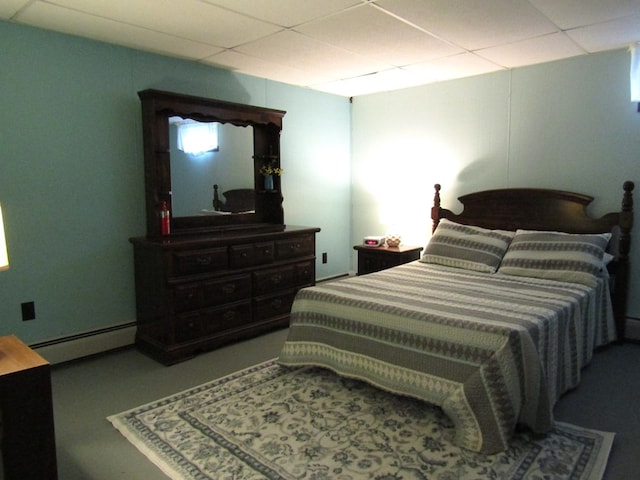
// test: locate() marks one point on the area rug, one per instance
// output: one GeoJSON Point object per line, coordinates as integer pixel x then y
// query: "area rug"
{"type": "Point", "coordinates": [274, 422]}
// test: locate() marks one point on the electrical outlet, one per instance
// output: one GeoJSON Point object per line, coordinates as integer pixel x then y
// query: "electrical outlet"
{"type": "Point", "coordinates": [28, 311]}
{"type": "Point", "coordinates": [324, 257]}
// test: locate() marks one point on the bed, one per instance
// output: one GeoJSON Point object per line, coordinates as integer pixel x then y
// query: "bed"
{"type": "Point", "coordinates": [495, 321]}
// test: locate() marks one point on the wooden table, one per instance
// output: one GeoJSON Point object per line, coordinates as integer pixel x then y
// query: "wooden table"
{"type": "Point", "coordinates": [28, 448]}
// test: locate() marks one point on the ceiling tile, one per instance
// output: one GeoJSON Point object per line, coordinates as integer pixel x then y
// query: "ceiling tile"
{"type": "Point", "coordinates": [188, 19]}
{"type": "Point", "coordinates": [8, 8]}
{"type": "Point", "coordinates": [287, 13]}
{"type": "Point", "coordinates": [609, 35]}
{"type": "Point", "coordinates": [49, 16]}
{"type": "Point", "coordinates": [371, 32]}
{"type": "Point", "coordinates": [530, 52]}
{"type": "Point", "coordinates": [392, 79]}
{"type": "Point", "coordinates": [301, 52]}
{"type": "Point", "coordinates": [463, 23]}
{"type": "Point", "coordinates": [258, 67]}
{"type": "Point", "coordinates": [577, 13]}
{"type": "Point", "coordinates": [449, 68]}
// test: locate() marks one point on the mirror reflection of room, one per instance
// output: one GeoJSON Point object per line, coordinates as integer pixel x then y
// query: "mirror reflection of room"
{"type": "Point", "coordinates": [229, 165]}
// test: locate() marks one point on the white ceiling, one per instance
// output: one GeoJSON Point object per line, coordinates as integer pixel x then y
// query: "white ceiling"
{"type": "Point", "coordinates": [347, 47]}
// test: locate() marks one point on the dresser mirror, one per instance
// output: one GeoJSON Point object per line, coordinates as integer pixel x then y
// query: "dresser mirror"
{"type": "Point", "coordinates": [249, 137]}
{"type": "Point", "coordinates": [193, 175]}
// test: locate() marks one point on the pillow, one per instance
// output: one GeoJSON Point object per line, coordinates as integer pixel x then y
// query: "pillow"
{"type": "Point", "coordinates": [607, 259]}
{"type": "Point", "coordinates": [468, 247]}
{"type": "Point", "coordinates": [575, 258]}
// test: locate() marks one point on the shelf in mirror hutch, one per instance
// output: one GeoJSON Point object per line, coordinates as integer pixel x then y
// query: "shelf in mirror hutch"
{"type": "Point", "coordinates": [220, 275]}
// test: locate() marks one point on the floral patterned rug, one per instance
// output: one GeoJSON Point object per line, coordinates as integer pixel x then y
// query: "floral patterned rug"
{"type": "Point", "coordinates": [273, 422]}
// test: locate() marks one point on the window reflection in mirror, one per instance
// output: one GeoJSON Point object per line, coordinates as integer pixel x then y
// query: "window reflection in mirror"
{"type": "Point", "coordinates": [193, 176]}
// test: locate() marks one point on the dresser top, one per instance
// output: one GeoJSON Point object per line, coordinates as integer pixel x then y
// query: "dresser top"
{"type": "Point", "coordinates": [225, 237]}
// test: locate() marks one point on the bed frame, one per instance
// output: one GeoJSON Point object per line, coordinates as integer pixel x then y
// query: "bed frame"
{"type": "Point", "coordinates": [554, 210]}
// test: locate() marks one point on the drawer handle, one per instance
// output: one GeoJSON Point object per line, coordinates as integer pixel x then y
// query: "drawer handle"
{"type": "Point", "coordinates": [243, 254]}
{"type": "Point", "coordinates": [229, 315]}
{"type": "Point", "coordinates": [229, 288]}
{"type": "Point", "coordinates": [266, 251]}
{"type": "Point", "coordinates": [203, 260]}
{"type": "Point", "coordinates": [276, 278]}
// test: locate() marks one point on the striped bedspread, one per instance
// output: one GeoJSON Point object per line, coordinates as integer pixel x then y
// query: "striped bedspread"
{"type": "Point", "coordinates": [491, 350]}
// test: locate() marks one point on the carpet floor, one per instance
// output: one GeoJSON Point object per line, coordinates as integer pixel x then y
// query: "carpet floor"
{"type": "Point", "coordinates": [272, 422]}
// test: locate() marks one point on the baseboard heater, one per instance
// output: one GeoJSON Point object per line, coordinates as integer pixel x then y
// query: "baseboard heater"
{"type": "Point", "coordinates": [73, 347]}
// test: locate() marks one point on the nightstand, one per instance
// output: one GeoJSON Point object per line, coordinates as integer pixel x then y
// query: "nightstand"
{"type": "Point", "coordinates": [374, 259]}
{"type": "Point", "coordinates": [28, 437]}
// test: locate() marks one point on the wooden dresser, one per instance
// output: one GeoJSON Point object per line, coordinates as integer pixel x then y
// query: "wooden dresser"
{"type": "Point", "coordinates": [194, 293]}
{"type": "Point", "coordinates": [211, 277]}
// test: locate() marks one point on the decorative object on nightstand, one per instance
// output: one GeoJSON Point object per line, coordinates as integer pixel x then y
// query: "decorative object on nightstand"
{"type": "Point", "coordinates": [393, 240]}
{"type": "Point", "coordinates": [379, 258]}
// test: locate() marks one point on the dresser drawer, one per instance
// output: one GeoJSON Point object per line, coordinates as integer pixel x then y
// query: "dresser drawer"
{"type": "Point", "coordinates": [209, 293]}
{"type": "Point", "coordinates": [198, 261]}
{"type": "Point", "coordinates": [210, 321]}
{"type": "Point", "coordinates": [273, 306]}
{"type": "Point", "coordinates": [250, 255]}
{"type": "Point", "coordinates": [225, 290]}
{"type": "Point", "coordinates": [305, 273]}
{"type": "Point", "coordinates": [274, 279]}
{"type": "Point", "coordinates": [374, 259]}
{"type": "Point", "coordinates": [228, 317]}
{"type": "Point", "coordinates": [187, 327]}
{"type": "Point", "coordinates": [187, 297]}
{"type": "Point", "coordinates": [295, 247]}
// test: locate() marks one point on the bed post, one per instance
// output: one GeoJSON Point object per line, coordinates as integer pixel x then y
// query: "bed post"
{"type": "Point", "coordinates": [621, 286]}
{"type": "Point", "coordinates": [216, 199]}
{"type": "Point", "coordinates": [435, 210]}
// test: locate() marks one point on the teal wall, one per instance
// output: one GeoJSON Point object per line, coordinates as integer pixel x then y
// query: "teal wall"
{"type": "Point", "coordinates": [71, 174]}
{"type": "Point", "coordinates": [567, 125]}
{"type": "Point", "coordinates": [71, 171]}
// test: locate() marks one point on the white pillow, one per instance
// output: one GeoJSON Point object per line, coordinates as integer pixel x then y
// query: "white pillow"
{"type": "Point", "coordinates": [466, 246]}
{"type": "Point", "coordinates": [576, 258]}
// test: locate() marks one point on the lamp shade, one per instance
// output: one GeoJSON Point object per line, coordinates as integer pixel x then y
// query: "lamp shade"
{"type": "Point", "coordinates": [4, 258]}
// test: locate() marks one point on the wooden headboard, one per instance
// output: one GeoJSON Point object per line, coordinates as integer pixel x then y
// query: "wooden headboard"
{"type": "Point", "coordinates": [552, 210]}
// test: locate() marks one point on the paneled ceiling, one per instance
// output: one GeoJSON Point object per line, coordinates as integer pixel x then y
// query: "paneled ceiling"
{"type": "Point", "coordinates": [347, 47]}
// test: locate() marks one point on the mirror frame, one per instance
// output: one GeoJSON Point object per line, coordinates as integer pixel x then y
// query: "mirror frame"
{"type": "Point", "coordinates": [157, 107]}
